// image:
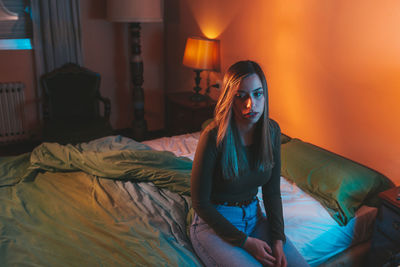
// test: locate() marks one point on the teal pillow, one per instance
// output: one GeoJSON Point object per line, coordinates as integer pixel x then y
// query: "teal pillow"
{"type": "Point", "coordinates": [285, 138]}
{"type": "Point", "coordinates": [339, 184]}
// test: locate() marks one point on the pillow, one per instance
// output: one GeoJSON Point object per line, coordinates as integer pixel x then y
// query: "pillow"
{"type": "Point", "coordinates": [285, 138]}
{"type": "Point", "coordinates": [339, 184]}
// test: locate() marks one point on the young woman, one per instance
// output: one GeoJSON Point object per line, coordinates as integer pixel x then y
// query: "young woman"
{"type": "Point", "coordinates": [236, 154]}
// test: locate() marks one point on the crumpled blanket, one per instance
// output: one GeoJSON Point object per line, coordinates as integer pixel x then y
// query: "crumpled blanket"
{"type": "Point", "coordinates": [57, 210]}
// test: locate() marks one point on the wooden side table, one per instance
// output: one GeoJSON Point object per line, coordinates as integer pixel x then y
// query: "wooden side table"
{"type": "Point", "coordinates": [186, 116]}
{"type": "Point", "coordinates": [386, 237]}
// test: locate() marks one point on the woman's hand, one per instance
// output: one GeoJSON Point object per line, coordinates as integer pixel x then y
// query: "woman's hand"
{"type": "Point", "coordinates": [260, 250]}
{"type": "Point", "coordinates": [277, 250]}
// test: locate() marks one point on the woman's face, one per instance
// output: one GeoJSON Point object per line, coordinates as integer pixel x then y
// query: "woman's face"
{"type": "Point", "coordinates": [248, 104]}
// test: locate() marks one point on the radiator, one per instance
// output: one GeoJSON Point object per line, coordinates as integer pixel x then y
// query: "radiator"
{"type": "Point", "coordinates": [12, 112]}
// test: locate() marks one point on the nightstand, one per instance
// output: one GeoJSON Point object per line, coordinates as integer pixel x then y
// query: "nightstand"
{"type": "Point", "coordinates": [186, 116]}
{"type": "Point", "coordinates": [386, 237]}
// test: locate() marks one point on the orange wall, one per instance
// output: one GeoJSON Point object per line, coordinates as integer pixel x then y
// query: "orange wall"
{"type": "Point", "coordinates": [333, 66]}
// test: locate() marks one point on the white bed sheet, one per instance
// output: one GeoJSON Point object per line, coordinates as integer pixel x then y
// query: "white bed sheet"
{"type": "Point", "coordinates": [308, 225]}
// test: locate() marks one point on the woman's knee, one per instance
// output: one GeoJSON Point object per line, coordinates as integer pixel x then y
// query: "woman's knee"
{"type": "Point", "coordinates": [214, 251]}
{"type": "Point", "coordinates": [293, 256]}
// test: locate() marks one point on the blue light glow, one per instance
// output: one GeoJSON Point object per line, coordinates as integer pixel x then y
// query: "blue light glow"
{"type": "Point", "coordinates": [15, 44]}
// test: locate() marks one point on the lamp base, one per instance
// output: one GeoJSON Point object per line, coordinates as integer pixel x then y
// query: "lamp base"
{"type": "Point", "coordinates": [197, 97]}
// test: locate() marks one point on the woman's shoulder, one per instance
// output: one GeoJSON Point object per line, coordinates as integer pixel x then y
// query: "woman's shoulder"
{"type": "Point", "coordinates": [274, 127]}
{"type": "Point", "coordinates": [275, 132]}
{"type": "Point", "coordinates": [209, 133]}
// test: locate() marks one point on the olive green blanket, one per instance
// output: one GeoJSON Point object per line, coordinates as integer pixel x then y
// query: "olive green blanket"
{"type": "Point", "coordinates": [56, 210]}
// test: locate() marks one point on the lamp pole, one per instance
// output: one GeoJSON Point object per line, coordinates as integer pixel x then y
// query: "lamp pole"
{"type": "Point", "coordinates": [139, 124]}
{"type": "Point", "coordinates": [136, 12]}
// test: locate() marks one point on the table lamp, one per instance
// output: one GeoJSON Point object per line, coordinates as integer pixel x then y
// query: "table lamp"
{"type": "Point", "coordinates": [135, 12]}
{"type": "Point", "coordinates": [201, 54]}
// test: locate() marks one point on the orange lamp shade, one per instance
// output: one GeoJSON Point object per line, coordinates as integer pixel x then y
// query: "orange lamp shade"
{"type": "Point", "coordinates": [202, 54]}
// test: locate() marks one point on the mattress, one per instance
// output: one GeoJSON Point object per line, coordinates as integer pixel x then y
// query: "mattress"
{"type": "Point", "coordinates": [316, 235]}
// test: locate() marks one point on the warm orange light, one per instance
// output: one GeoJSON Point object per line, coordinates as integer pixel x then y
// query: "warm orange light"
{"type": "Point", "coordinates": [213, 17]}
{"type": "Point", "coordinates": [202, 54]}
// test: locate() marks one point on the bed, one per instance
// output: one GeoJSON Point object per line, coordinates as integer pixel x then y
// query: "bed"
{"type": "Point", "coordinates": [117, 202]}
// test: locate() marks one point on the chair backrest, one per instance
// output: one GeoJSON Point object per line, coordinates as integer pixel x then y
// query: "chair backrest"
{"type": "Point", "coordinates": [71, 93]}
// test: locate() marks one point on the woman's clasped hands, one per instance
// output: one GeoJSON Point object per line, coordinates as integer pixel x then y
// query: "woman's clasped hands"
{"type": "Point", "coordinates": [260, 250]}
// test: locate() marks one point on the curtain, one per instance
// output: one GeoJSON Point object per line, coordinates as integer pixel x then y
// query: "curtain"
{"type": "Point", "coordinates": [56, 36]}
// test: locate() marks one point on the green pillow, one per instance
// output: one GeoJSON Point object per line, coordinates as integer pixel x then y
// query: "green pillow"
{"type": "Point", "coordinates": [285, 138]}
{"type": "Point", "coordinates": [339, 184]}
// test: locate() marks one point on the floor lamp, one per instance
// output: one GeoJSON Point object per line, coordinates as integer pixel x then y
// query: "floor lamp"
{"type": "Point", "coordinates": [135, 12]}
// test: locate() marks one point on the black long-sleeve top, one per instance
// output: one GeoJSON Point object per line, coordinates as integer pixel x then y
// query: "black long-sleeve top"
{"type": "Point", "coordinates": [209, 186]}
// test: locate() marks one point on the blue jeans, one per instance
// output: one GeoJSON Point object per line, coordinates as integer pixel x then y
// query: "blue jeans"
{"type": "Point", "coordinates": [214, 251]}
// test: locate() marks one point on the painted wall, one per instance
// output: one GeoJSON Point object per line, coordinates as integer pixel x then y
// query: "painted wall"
{"type": "Point", "coordinates": [333, 66]}
{"type": "Point", "coordinates": [17, 66]}
{"type": "Point", "coordinates": [106, 51]}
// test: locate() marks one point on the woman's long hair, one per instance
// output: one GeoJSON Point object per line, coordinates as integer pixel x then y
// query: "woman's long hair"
{"type": "Point", "coordinates": [234, 160]}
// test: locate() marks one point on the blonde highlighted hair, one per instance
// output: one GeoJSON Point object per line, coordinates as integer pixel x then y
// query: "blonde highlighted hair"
{"type": "Point", "coordinates": [234, 160]}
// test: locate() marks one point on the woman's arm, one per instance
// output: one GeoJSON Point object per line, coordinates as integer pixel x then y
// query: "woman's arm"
{"type": "Point", "coordinates": [271, 190]}
{"type": "Point", "coordinates": [204, 164]}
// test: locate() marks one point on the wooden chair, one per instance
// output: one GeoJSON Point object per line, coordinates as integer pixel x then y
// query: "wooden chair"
{"type": "Point", "coordinates": [71, 107]}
